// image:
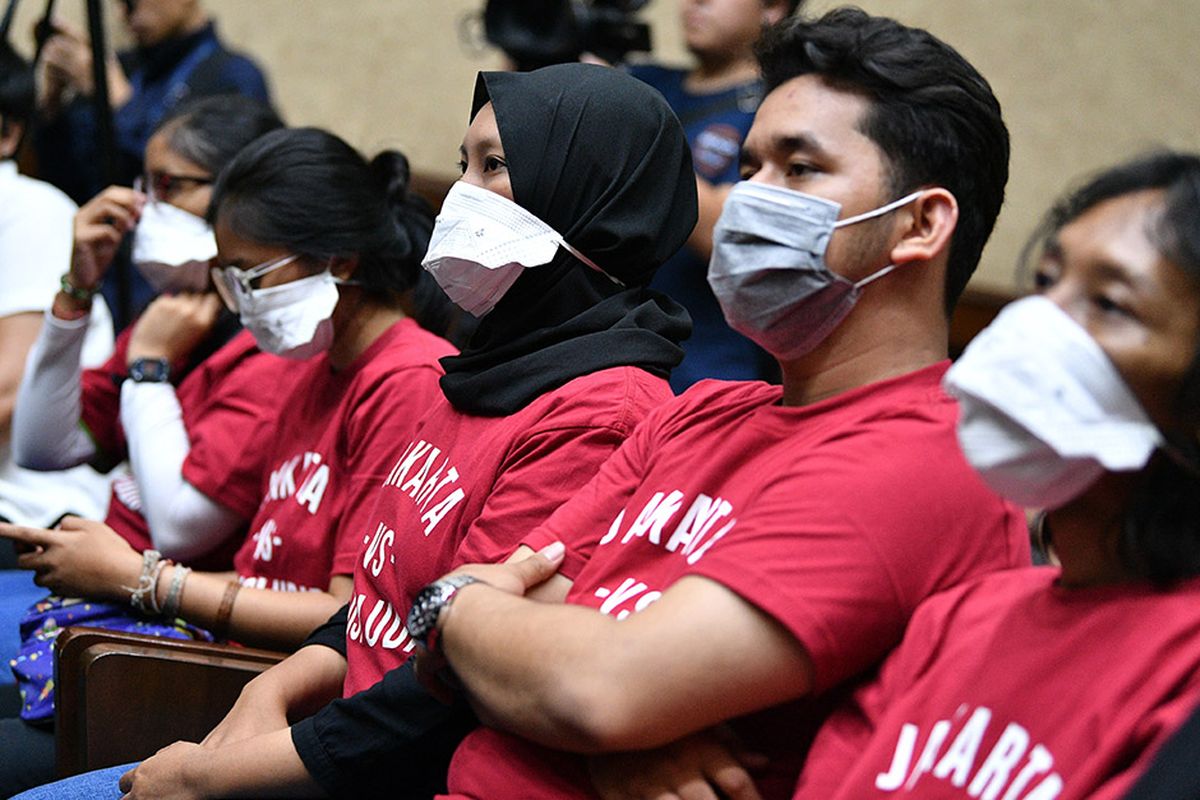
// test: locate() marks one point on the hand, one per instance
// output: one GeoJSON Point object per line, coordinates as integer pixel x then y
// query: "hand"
{"type": "Point", "coordinates": [66, 70]}
{"type": "Point", "coordinates": [258, 710]}
{"type": "Point", "coordinates": [82, 558]}
{"type": "Point", "coordinates": [697, 767]}
{"type": "Point", "coordinates": [515, 577]}
{"type": "Point", "coordinates": [66, 63]}
{"type": "Point", "coordinates": [172, 326]}
{"type": "Point", "coordinates": [167, 775]}
{"type": "Point", "coordinates": [100, 225]}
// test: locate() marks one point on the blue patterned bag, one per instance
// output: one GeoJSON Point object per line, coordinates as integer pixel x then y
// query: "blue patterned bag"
{"type": "Point", "coordinates": [46, 619]}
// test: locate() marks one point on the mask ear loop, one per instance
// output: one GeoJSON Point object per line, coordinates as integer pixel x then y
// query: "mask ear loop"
{"type": "Point", "coordinates": [590, 263]}
{"type": "Point", "coordinates": [878, 212]}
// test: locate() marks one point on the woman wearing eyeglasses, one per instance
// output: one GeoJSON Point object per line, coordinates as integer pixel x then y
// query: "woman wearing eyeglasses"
{"type": "Point", "coordinates": [320, 256]}
{"type": "Point", "coordinates": [177, 373]}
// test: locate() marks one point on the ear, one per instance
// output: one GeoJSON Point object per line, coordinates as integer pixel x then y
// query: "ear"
{"type": "Point", "coordinates": [10, 137]}
{"type": "Point", "coordinates": [773, 11]}
{"type": "Point", "coordinates": [932, 218]}
{"type": "Point", "coordinates": [344, 267]}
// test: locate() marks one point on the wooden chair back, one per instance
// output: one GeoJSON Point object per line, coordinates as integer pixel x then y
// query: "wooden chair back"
{"type": "Point", "coordinates": [121, 697]}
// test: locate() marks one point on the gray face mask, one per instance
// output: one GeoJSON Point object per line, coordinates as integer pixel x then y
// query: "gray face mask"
{"type": "Point", "coordinates": [768, 267]}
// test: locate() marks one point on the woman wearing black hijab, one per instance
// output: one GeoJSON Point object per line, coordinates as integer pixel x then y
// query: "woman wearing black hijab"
{"type": "Point", "coordinates": [601, 162]}
{"type": "Point", "coordinates": [577, 184]}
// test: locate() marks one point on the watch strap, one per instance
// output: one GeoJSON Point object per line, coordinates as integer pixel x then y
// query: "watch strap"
{"type": "Point", "coordinates": [429, 605]}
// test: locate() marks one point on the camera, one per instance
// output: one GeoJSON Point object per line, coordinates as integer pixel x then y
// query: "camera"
{"type": "Point", "coordinates": [537, 33]}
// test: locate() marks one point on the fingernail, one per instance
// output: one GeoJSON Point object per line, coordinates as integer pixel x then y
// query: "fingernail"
{"type": "Point", "coordinates": [553, 551]}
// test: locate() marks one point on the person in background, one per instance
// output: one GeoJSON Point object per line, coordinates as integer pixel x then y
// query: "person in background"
{"type": "Point", "coordinates": [35, 240]}
{"type": "Point", "coordinates": [321, 251]}
{"type": "Point", "coordinates": [1063, 682]}
{"type": "Point", "coordinates": [177, 57]}
{"type": "Point", "coordinates": [715, 101]}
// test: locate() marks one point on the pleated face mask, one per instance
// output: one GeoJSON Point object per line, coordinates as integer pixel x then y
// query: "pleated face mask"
{"type": "Point", "coordinates": [172, 248]}
{"type": "Point", "coordinates": [768, 268]}
{"type": "Point", "coordinates": [1043, 411]}
{"type": "Point", "coordinates": [482, 242]}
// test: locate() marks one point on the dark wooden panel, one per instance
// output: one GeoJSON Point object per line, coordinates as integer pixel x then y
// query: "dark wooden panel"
{"type": "Point", "coordinates": [121, 696]}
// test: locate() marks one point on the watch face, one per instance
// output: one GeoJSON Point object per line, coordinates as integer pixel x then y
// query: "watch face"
{"type": "Point", "coordinates": [149, 370]}
{"type": "Point", "coordinates": [428, 604]}
{"type": "Point", "coordinates": [424, 612]}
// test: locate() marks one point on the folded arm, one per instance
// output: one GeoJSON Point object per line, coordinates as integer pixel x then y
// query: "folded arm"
{"type": "Point", "coordinates": [572, 678]}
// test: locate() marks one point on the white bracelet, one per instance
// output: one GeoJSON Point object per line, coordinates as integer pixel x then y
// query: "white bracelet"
{"type": "Point", "coordinates": [175, 593]}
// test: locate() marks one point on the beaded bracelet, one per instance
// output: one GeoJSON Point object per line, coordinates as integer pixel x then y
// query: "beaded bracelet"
{"type": "Point", "coordinates": [147, 582]}
{"type": "Point", "coordinates": [75, 292]}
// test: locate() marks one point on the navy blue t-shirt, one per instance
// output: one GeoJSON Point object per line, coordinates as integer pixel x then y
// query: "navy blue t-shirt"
{"type": "Point", "coordinates": [715, 124]}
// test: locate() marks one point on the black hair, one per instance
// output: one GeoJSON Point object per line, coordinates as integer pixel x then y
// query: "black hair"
{"type": "Point", "coordinates": [212, 130]}
{"type": "Point", "coordinates": [931, 113]}
{"type": "Point", "coordinates": [16, 88]}
{"type": "Point", "coordinates": [307, 190]}
{"type": "Point", "coordinates": [1160, 534]}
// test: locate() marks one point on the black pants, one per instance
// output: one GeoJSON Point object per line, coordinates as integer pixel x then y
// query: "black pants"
{"type": "Point", "coordinates": [26, 756]}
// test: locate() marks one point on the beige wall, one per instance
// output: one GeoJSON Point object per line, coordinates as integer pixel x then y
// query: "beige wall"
{"type": "Point", "coordinates": [1082, 82]}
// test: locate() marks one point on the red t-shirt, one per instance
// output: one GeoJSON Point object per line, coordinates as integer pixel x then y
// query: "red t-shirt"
{"type": "Point", "coordinates": [466, 489]}
{"type": "Point", "coordinates": [836, 519]}
{"type": "Point", "coordinates": [331, 446]}
{"type": "Point", "coordinates": [224, 401]}
{"type": "Point", "coordinates": [1014, 687]}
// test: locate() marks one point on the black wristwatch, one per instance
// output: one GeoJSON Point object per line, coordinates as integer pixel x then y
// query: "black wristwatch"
{"type": "Point", "coordinates": [429, 604]}
{"type": "Point", "coordinates": [150, 370]}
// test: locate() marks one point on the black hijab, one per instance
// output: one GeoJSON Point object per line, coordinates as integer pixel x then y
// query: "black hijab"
{"type": "Point", "coordinates": [601, 158]}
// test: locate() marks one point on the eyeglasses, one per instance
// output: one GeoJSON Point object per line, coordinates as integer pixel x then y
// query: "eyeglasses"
{"type": "Point", "coordinates": [233, 284]}
{"type": "Point", "coordinates": [165, 185]}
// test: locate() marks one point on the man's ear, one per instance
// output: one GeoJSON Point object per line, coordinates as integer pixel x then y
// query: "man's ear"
{"type": "Point", "coordinates": [932, 220]}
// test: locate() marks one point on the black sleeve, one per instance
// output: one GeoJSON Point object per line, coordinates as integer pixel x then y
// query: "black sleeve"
{"type": "Point", "coordinates": [1174, 774]}
{"type": "Point", "coordinates": [332, 633]}
{"type": "Point", "coordinates": [393, 740]}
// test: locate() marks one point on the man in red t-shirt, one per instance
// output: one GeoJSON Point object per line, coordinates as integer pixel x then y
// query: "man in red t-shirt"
{"type": "Point", "coordinates": [762, 548]}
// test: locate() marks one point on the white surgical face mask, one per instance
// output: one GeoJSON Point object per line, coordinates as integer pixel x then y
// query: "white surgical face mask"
{"type": "Point", "coordinates": [294, 319]}
{"type": "Point", "coordinates": [1043, 411]}
{"type": "Point", "coordinates": [480, 244]}
{"type": "Point", "coordinates": [172, 248]}
{"type": "Point", "coordinates": [768, 267]}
